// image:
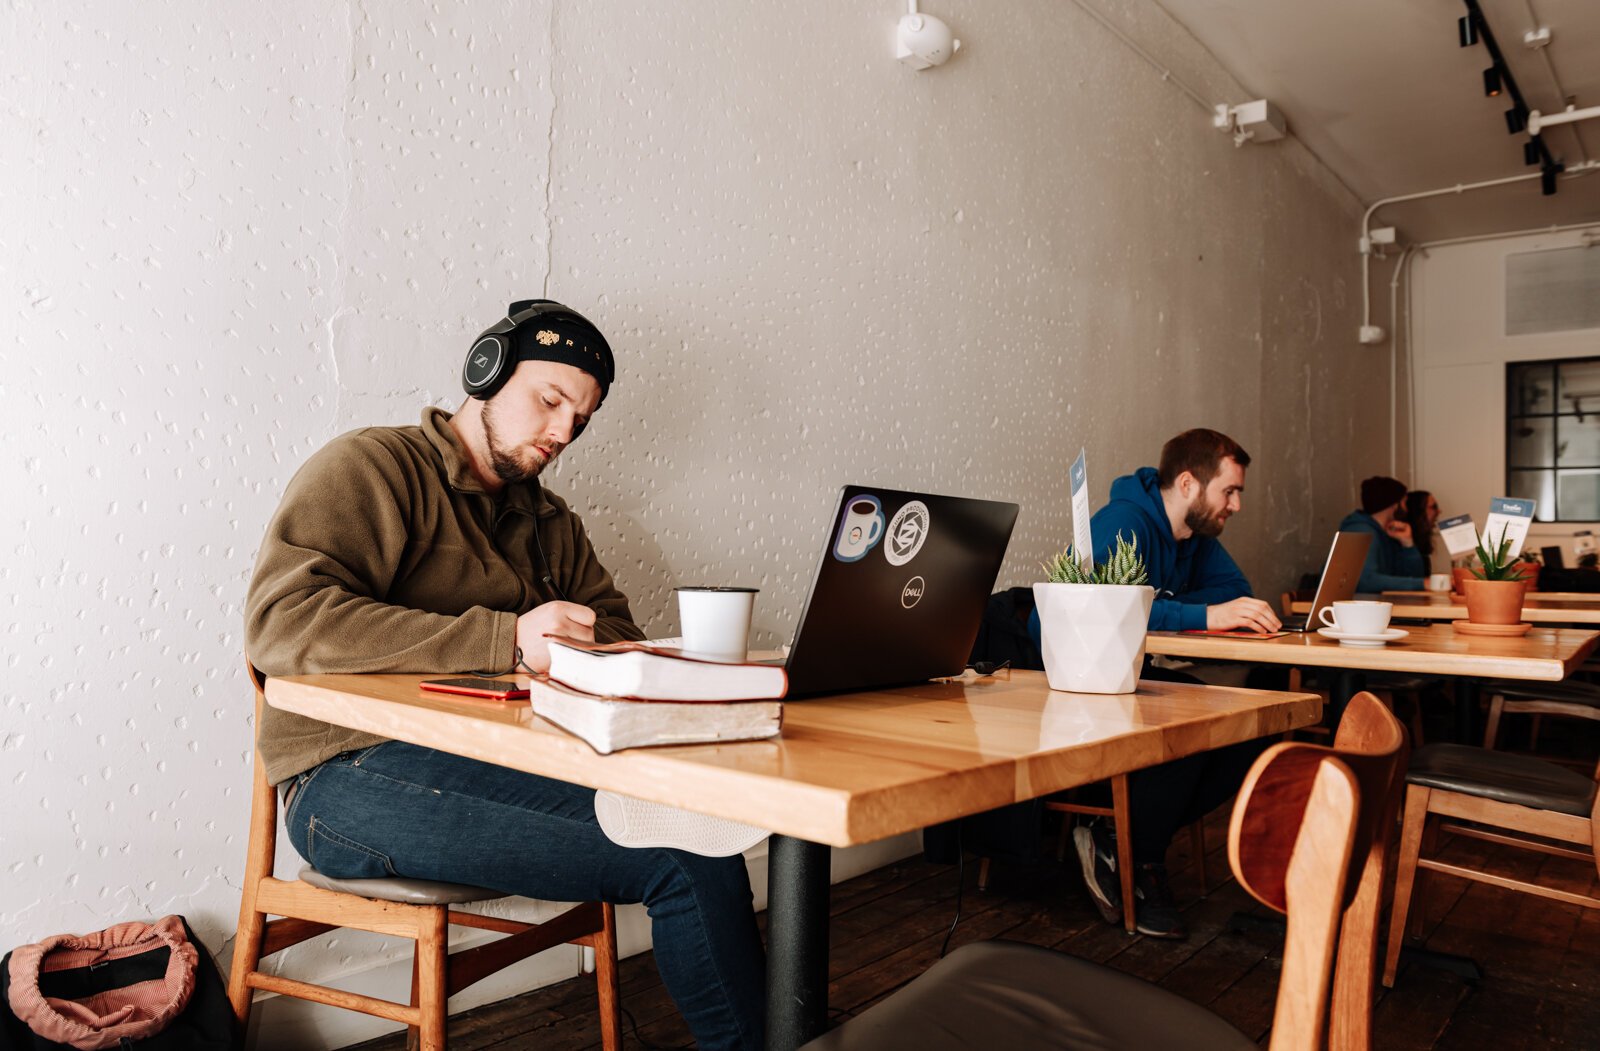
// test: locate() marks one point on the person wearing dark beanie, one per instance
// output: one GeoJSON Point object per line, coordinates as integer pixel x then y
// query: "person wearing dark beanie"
{"type": "Point", "coordinates": [438, 548]}
{"type": "Point", "coordinates": [1393, 561]}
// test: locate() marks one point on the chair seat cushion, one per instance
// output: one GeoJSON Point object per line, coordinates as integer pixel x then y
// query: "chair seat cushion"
{"type": "Point", "coordinates": [1009, 995]}
{"type": "Point", "coordinates": [1504, 778]}
{"type": "Point", "coordinates": [407, 891]}
{"type": "Point", "coordinates": [1571, 690]}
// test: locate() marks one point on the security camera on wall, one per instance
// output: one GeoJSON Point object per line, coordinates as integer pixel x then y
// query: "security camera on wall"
{"type": "Point", "coordinates": [922, 40]}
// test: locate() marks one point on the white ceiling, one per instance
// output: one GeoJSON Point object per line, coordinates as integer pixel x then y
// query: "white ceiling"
{"type": "Point", "coordinates": [1384, 94]}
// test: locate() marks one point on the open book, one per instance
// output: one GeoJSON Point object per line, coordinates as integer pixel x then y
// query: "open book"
{"type": "Point", "coordinates": [661, 673]}
{"type": "Point", "coordinates": [610, 723]}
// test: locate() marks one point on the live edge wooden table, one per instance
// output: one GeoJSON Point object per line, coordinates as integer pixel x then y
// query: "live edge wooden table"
{"type": "Point", "coordinates": [848, 769]}
{"type": "Point", "coordinates": [1537, 608]}
{"type": "Point", "coordinates": [1542, 655]}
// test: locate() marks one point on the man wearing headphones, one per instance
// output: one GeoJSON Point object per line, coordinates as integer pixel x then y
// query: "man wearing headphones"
{"type": "Point", "coordinates": [435, 549]}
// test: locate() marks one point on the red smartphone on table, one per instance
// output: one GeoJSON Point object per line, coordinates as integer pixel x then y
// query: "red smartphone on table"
{"type": "Point", "coordinates": [495, 689]}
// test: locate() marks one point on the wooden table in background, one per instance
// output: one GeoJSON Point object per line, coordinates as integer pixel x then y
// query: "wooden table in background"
{"type": "Point", "coordinates": [1542, 655]}
{"type": "Point", "coordinates": [1537, 608]}
{"type": "Point", "coordinates": [848, 769]}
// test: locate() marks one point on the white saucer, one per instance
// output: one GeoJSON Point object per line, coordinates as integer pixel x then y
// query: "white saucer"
{"type": "Point", "coordinates": [1346, 638]}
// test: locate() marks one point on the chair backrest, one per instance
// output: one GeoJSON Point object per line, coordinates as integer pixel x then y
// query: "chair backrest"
{"type": "Point", "coordinates": [1372, 745]}
{"type": "Point", "coordinates": [1290, 841]}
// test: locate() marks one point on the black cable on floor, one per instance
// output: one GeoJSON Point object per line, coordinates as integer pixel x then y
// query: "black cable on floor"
{"type": "Point", "coordinates": [961, 881]}
{"type": "Point", "coordinates": [645, 1043]}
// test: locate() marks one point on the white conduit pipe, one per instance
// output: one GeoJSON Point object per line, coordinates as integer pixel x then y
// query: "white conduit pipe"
{"type": "Point", "coordinates": [1366, 220]}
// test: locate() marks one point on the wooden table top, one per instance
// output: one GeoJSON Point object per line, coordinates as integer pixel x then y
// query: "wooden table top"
{"type": "Point", "coordinates": [1544, 654]}
{"type": "Point", "coordinates": [847, 769]}
{"type": "Point", "coordinates": [1590, 597]}
{"type": "Point", "coordinates": [1537, 607]}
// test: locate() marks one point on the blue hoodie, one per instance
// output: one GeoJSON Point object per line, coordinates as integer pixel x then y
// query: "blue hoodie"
{"type": "Point", "coordinates": [1390, 565]}
{"type": "Point", "coordinates": [1188, 575]}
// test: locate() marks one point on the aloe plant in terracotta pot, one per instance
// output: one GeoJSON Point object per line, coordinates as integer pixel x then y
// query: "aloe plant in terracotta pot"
{"type": "Point", "coordinates": [1495, 589]}
{"type": "Point", "coordinates": [1092, 622]}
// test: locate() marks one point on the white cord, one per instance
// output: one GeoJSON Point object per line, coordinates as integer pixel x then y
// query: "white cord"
{"type": "Point", "coordinates": [1166, 74]}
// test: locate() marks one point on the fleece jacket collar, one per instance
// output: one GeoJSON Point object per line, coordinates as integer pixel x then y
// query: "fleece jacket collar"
{"type": "Point", "coordinates": [528, 498]}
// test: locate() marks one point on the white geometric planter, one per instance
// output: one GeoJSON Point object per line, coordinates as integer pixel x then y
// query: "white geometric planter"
{"type": "Point", "coordinates": [1093, 635]}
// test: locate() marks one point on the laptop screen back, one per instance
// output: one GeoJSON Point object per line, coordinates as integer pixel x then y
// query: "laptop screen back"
{"type": "Point", "coordinates": [1340, 576]}
{"type": "Point", "coordinates": [900, 590]}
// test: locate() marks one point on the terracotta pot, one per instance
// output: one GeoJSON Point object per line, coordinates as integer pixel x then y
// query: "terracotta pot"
{"type": "Point", "coordinates": [1458, 575]}
{"type": "Point", "coordinates": [1494, 601]}
{"type": "Point", "coordinates": [1530, 575]}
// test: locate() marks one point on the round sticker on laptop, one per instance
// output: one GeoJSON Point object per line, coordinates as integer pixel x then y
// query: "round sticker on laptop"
{"type": "Point", "coordinates": [907, 532]}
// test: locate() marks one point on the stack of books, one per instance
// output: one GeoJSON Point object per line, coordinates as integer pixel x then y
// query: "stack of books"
{"type": "Point", "coordinates": [631, 694]}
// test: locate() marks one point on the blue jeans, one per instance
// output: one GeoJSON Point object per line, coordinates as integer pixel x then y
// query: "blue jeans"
{"type": "Point", "coordinates": [399, 810]}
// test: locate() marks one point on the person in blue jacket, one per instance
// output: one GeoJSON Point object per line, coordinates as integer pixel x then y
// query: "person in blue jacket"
{"type": "Point", "coordinates": [1393, 561]}
{"type": "Point", "coordinates": [1176, 512]}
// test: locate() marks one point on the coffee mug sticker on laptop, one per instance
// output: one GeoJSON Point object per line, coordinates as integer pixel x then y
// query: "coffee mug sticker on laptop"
{"type": "Point", "coordinates": [908, 531]}
{"type": "Point", "coordinates": [860, 530]}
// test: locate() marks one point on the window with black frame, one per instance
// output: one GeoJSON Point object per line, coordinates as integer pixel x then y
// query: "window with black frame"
{"type": "Point", "coordinates": [1553, 437]}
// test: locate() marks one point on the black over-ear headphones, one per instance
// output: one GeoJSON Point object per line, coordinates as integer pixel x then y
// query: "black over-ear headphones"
{"type": "Point", "coordinates": [492, 359]}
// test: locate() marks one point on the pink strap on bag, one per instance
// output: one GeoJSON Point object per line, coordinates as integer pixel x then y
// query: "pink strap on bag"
{"type": "Point", "coordinates": [105, 1019]}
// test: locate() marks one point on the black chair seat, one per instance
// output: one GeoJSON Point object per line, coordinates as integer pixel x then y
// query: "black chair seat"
{"type": "Point", "coordinates": [1502, 777]}
{"type": "Point", "coordinates": [1401, 681]}
{"type": "Point", "coordinates": [1570, 690]}
{"type": "Point", "coordinates": [1014, 996]}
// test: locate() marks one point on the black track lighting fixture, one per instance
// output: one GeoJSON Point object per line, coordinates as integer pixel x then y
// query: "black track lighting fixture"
{"type": "Point", "coordinates": [1497, 80]}
{"type": "Point", "coordinates": [1547, 177]}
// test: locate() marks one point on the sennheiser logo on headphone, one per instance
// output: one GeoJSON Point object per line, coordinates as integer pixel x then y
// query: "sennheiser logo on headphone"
{"type": "Point", "coordinates": [481, 360]}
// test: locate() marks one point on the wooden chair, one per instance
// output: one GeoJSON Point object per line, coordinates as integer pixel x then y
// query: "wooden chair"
{"type": "Point", "coordinates": [1512, 800]}
{"type": "Point", "coordinates": [1305, 839]}
{"type": "Point", "coordinates": [1570, 699]}
{"type": "Point", "coordinates": [1122, 821]}
{"type": "Point", "coordinates": [416, 909]}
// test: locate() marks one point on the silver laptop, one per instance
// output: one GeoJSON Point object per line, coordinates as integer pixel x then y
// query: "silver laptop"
{"type": "Point", "coordinates": [1340, 576]}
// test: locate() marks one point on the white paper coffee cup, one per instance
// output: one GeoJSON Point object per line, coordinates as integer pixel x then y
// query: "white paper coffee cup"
{"type": "Point", "coordinates": [715, 621]}
{"type": "Point", "coordinates": [1439, 582]}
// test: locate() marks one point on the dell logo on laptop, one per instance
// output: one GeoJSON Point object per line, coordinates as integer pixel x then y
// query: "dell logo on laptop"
{"type": "Point", "coordinates": [911, 594]}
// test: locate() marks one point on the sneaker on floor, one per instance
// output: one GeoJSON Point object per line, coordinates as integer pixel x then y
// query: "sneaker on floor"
{"type": "Point", "coordinates": [1097, 856]}
{"type": "Point", "coordinates": [1156, 913]}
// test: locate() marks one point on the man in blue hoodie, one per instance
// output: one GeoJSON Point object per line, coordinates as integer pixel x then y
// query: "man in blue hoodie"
{"type": "Point", "coordinates": [1393, 561]}
{"type": "Point", "coordinates": [1175, 512]}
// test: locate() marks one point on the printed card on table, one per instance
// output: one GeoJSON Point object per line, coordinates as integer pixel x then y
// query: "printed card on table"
{"type": "Point", "coordinates": [1082, 542]}
{"type": "Point", "coordinates": [1511, 517]}
{"type": "Point", "coordinates": [1460, 536]}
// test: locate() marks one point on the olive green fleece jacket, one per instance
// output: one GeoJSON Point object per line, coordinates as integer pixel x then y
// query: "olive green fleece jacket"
{"type": "Point", "coordinates": [388, 555]}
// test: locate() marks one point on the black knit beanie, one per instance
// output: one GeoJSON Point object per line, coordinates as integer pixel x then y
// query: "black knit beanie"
{"type": "Point", "coordinates": [564, 335]}
{"type": "Point", "coordinates": [1379, 493]}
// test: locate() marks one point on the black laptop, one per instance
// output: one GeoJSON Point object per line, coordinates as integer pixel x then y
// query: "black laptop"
{"type": "Point", "coordinates": [900, 590]}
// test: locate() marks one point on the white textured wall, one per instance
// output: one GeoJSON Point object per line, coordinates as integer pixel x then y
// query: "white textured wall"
{"type": "Point", "coordinates": [1458, 302]}
{"type": "Point", "coordinates": [229, 232]}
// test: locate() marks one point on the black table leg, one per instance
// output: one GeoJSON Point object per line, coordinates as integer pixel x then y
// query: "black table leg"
{"type": "Point", "coordinates": [1467, 711]}
{"type": "Point", "coordinates": [797, 941]}
{"type": "Point", "coordinates": [1347, 682]}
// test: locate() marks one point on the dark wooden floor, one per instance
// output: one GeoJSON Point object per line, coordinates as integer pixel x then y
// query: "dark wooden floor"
{"type": "Point", "coordinates": [1541, 987]}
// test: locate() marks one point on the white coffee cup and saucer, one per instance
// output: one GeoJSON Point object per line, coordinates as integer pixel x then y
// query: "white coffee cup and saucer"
{"type": "Point", "coordinates": [1359, 623]}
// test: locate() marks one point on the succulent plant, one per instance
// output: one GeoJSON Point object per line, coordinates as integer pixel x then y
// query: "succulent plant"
{"type": "Point", "coordinates": [1125, 566]}
{"type": "Point", "coordinates": [1495, 561]}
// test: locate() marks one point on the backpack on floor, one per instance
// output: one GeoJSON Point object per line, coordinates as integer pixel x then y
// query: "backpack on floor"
{"type": "Point", "coordinates": [150, 986]}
